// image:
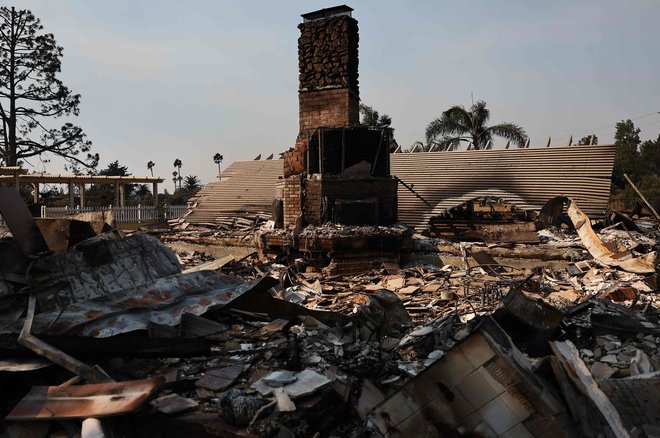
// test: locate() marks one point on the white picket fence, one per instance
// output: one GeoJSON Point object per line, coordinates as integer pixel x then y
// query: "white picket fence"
{"type": "Point", "coordinates": [123, 215]}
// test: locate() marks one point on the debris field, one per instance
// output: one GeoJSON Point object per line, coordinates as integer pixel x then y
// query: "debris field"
{"type": "Point", "coordinates": [299, 298]}
{"type": "Point", "coordinates": [118, 334]}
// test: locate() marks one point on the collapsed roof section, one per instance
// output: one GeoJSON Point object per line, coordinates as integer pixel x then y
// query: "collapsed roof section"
{"type": "Point", "coordinates": [245, 186]}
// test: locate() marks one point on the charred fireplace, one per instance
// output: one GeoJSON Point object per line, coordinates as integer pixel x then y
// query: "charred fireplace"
{"type": "Point", "coordinates": [339, 170]}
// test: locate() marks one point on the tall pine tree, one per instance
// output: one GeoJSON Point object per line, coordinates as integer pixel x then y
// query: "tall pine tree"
{"type": "Point", "coordinates": [31, 95]}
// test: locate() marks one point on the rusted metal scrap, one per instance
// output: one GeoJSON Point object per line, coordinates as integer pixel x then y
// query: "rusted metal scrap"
{"type": "Point", "coordinates": [100, 266]}
{"type": "Point", "coordinates": [84, 401]}
{"type": "Point", "coordinates": [163, 302]}
{"type": "Point", "coordinates": [639, 265]}
{"type": "Point", "coordinates": [26, 338]}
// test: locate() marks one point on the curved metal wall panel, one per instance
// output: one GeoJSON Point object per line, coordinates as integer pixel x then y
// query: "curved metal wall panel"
{"type": "Point", "coordinates": [524, 177]}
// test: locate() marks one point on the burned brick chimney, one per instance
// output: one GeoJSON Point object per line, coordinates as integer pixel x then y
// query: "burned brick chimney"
{"type": "Point", "coordinates": [328, 64]}
{"type": "Point", "coordinates": [339, 170]}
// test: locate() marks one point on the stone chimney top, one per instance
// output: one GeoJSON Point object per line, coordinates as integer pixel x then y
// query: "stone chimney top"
{"type": "Point", "coordinates": [327, 13]}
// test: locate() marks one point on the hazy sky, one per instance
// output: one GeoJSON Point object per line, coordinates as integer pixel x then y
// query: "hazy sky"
{"type": "Point", "coordinates": [169, 79]}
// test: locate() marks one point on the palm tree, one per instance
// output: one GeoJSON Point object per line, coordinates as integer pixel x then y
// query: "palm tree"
{"type": "Point", "coordinates": [418, 146]}
{"type": "Point", "coordinates": [458, 124]}
{"type": "Point", "coordinates": [175, 174]}
{"type": "Point", "coordinates": [178, 164]}
{"type": "Point", "coordinates": [142, 192]}
{"type": "Point", "coordinates": [217, 159]}
{"type": "Point", "coordinates": [192, 183]}
{"type": "Point", "coordinates": [150, 166]}
{"type": "Point", "coordinates": [373, 118]}
{"type": "Point", "coordinates": [588, 140]}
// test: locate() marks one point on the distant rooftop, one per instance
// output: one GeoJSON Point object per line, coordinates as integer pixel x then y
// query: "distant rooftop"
{"type": "Point", "coordinates": [12, 170]}
{"type": "Point", "coordinates": [327, 13]}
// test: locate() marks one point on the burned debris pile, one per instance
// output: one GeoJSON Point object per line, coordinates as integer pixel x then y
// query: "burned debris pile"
{"type": "Point", "coordinates": [290, 301]}
{"type": "Point", "coordinates": [106, 334]}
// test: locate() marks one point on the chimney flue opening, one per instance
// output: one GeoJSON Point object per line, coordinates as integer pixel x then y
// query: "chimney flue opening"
{"type": "Point", "coordinates": [322, 14]}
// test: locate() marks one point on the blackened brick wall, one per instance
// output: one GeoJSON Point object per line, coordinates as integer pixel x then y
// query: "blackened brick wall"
{"type": "Point", "coordinates": [295, 161]}
{"type": "Point", "coordinates": [292, 202]}
{"type": "Point", "coordinates": [382, 188]}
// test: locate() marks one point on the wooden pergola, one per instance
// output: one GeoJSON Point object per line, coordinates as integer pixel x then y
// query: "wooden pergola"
{"type": "Point", "coordinates": [12, 172]}
{"type": "Point", "coordinates": [17, 176]}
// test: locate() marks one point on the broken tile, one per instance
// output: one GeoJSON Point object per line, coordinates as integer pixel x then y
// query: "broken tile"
{"type": "Point", "coordinates": [308, 382]}
{"type": "Point", "coordinates": [174, 404]}
{"type": "Point", "coordinates": [518, 431]}
{"type": "Point", "coordinates": [497, 414]}
{"type": "Point", "coordinates": [476, 390]}
{"type": "Point", "coordinates": [609, 358]}
{"type": "Point", "coordinates": [476, 351]}
{"type": "Point", "coordinates": [280, 378]}
{"type": "Point", "coordinates": [219, 379]}
{"type": "Point", "coordinates": [454, 368]}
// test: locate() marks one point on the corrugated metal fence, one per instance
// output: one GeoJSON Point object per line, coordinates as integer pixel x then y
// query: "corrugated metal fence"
{"type": "Point", "coordinates": [123, 215]}
{"type": "Point", "coordinates": [524, 177]}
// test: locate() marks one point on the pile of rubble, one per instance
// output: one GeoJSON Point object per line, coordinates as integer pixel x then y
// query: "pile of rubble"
{"type": "Point", "coordinates": [108, 336]}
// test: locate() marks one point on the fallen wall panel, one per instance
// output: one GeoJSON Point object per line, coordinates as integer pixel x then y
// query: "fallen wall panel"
{"type": "Point", "coordinates": [482, 387]}
{"type": "Point", "coordinates": [526, 178]}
